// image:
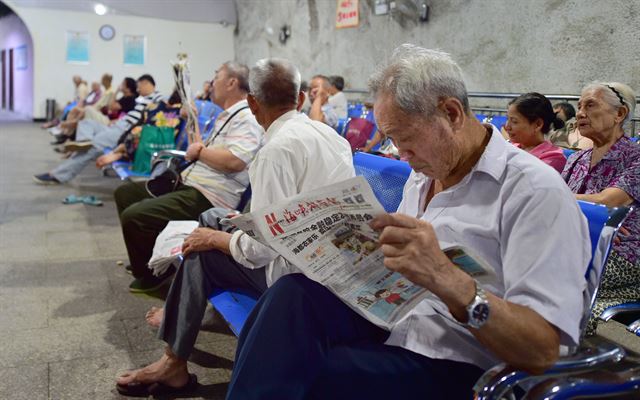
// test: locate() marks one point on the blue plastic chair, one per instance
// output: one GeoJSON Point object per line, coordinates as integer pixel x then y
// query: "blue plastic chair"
{"type": "Point", "coordinates": [498, 121]}
{"type": "Point", "coordinates": [481, 117]}
{"type": "Point", "coordinates": [386, 177]}
{"type": "Point", "coordinates": [568, 152]}
{"type": "Point", "coordinates": [355, 110]}
{"type": "Point", "coordinates": [501, 380]}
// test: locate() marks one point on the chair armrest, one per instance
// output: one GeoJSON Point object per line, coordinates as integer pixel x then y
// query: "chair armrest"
{"type": "Point", "coordinates": [600, 384]}
{"type": "Point", "coordinates": [624, 308]}
{"type": "Point", "coordinates": [634, 327]}
{"type": "Point", "coordinates": [500, 380]}
{"type": "Point", "coordinates": [167, 154]}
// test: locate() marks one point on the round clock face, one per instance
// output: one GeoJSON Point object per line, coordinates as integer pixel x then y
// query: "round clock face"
{"type": "Point", "coordinates": [107, 32]}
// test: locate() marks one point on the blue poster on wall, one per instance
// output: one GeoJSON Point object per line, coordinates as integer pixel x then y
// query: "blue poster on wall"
{"type": "Point", "coordinates": [77, 47]}
{"type": "Point", "coordinates": [134, 49]}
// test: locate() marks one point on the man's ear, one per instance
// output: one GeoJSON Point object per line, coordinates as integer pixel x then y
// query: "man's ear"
{"type": "Point", "coordinates": [301, 98]}
{"type": "Point", "coordinates": [454, 110]}
{"type": "Point", "coordinates": [253, 104]}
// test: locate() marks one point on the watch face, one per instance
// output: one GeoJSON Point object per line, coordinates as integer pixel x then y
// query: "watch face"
{"type": "Point", "coordinates": [107, 32]}
{"type": "Point", "coordinates": [480, 313]}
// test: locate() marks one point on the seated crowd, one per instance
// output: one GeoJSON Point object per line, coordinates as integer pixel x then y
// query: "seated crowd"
{"type": "Point", "coordinates": [468, 186]}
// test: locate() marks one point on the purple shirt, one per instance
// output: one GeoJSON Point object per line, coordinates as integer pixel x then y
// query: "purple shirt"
{"type": "Point", "coordinates": [619, 168]}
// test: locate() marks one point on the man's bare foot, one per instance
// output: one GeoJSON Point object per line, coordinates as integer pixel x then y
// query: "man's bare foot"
{"type": "Point", "coordinates": [168, 370]}
{"type": "Point", "coordinates": [154, 316]}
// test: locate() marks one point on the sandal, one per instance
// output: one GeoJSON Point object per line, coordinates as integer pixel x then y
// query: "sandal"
{"type": "Point", "coordinates": [157, 388]}
{"type": "Point", "coordinates": [92, 201]}
{"type": "Point", "coordinates": [73, 199]}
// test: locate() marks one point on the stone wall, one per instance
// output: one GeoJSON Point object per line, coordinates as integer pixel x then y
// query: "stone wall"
{"type": "Point", "coordinates": [550, 46]}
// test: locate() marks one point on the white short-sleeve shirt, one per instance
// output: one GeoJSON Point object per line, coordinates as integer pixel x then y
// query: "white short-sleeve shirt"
{"type": "Point", "coordinates": [519, 216]}
{"type": "Point", "coordinates": [300, 155]}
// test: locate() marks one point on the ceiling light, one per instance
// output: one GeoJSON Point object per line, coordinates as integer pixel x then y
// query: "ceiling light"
{"type": "Point", "coordinates": [100, 9]}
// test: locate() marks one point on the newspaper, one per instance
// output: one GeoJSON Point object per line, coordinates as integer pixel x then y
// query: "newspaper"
{"type": "Point", "coordinates": [326, 234]}
{"type": "Point", "coordinates": [168, 248]}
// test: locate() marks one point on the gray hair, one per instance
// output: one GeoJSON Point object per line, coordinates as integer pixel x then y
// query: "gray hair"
{"type": "Point", "coordinates": [275, 82]}
{"type": "Point", "coordinates": [418, 78]}
{"type": "Point", "coordinates": [240, 72]}
{"type": "Point", "coordinates": [615, 94]}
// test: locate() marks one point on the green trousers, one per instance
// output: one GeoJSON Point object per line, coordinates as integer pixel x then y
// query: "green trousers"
{"type": "Point", "coordinates": [143, 217]}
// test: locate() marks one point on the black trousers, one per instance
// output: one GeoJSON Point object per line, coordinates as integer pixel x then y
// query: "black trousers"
{"type": "Point", "coordinates": [143, 217]}
{"type": "Point", "coordinates": [302, 342]}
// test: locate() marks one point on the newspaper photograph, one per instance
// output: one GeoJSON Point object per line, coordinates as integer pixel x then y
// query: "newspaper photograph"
{"type": "Point", "coordinates": [326, 234]}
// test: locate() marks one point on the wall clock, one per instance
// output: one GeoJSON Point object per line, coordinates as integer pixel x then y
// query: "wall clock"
{"type": "Point", "coordinates": [107, 32]}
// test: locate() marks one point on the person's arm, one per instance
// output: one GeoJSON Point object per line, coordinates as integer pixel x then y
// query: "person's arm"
{"type": "Point", "coordinates": [536, 313]}
{"type": "Point", "coordinates": [610, 197]}
{"type": "Point", "coordinates": [115, 155]}
{"type": "Point", "coordinates": [320, 99]}
{"type": "Point", "coordinates": [377, 137]}
{"type": "Point", "coordinates": [219, 159]}
{"type": "Point", "coordinates": [516, 334]}
{"type": "Point", "coordinates": [624, 187]}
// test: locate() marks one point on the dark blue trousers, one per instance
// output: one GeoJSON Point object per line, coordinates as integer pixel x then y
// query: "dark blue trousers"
{"type": "Point", "coordinates": [302, 342]}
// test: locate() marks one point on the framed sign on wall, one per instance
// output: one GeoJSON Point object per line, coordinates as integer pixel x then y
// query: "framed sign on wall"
{"type": "Point", "coordinates": [78, 47]}
{"type": "Point", "coordinates": [134, 49]}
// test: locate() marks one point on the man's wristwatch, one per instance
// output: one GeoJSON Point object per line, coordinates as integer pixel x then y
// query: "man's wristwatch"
{"type": "Point", "coordinates": [478, 309]}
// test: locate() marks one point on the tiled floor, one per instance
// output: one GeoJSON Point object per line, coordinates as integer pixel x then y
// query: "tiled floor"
{"type": "Point", "coordinates": [68, 323]}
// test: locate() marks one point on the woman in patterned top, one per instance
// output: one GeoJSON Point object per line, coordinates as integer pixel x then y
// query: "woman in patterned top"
{"type": "Point", "coordinates": [609, 174]}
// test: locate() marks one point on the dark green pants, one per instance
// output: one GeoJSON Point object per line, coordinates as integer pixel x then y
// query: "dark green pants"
{"type": "Point", "coordinates": [143, 218]}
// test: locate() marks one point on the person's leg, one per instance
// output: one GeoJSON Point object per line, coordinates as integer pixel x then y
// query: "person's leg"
{"type": "Point", "coordinates": [72, 166]}
{"type": "Point", "coordinates": [292, 329]}
{"type": "Point", "coordinates": [86, 130]}
{"type": "Point", "coordinates": [377, 371]}
{"type": "Point", "coordinates": [129, 193]}
{"type": "Point", "coordinates": [192, 285]}
{"type": "Point", "coordinates": [195, 280]}
{"type": "Point", "coordinates": [143, 221]}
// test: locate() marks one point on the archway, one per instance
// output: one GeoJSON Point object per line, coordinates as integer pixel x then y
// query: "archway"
{"type": "Point", "coordinates": [16, 66]}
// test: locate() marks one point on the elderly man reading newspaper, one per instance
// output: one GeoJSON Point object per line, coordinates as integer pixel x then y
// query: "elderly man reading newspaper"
{"type": "Point", "coordinates": [469, 187]}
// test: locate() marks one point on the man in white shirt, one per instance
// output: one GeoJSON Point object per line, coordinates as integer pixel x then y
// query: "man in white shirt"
{"type": "Point", "coordinates": [469, 188]}
{"type": "Point", "coordinates": [299, 155]}
{"type": "Point", "coordinates": [337, 99]}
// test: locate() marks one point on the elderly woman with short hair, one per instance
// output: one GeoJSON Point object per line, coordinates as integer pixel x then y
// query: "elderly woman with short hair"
{"type": "Point", "coordinates": [609, 174]}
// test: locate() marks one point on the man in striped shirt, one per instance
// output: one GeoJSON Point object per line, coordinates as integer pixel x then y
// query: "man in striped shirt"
{"type": "Point", "coordinates": [217, 178]}
{"type": "Point", "coordinates": [94, 137]}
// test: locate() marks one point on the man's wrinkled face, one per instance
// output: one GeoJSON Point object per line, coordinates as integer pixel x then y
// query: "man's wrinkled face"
{"type": "Point", "coordinates": [219, 86]}
{"type": "Point", "coordinates": [427, 144]}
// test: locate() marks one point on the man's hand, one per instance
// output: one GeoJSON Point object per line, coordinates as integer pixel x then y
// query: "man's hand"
{"type": "Point", "coordinates": [622, 231]}
{"type": "Point", "coordinates": [410, 247]}
{"type": "Point", "coordinates": [204, 239]}
{"type": "Point", "coordinates": [319, 94]}
{"type": "Point", "coordinates": [193, 151]}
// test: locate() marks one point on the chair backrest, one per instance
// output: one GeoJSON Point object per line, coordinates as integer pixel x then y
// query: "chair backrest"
{"type": "Point", "coordinates": [386, 177]}
{"type": "Point", "coordinates": [358, 131]}
{"type": "Point", "coordinates": [498, 121]}
{"type": "Point", "coordinates": [355, 110]}
{"type": "Point", "coordinates": [604, 223]}
{"type": "Point", "coordinates": [567, 152]}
